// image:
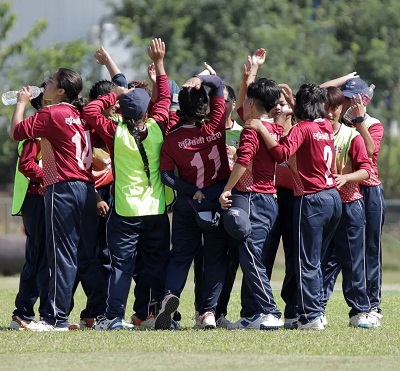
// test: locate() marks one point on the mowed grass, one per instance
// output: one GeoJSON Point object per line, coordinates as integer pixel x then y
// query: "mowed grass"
{"type": "Point", "coordinates": [337, 348]}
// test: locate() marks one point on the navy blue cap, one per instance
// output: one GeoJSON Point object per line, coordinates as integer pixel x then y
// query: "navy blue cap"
{"type": "Point", "coordinates": [206, 214]}
{"type": "Point", "coordinates": [353, 87]}
{"type": "Point", "coordinates": [133, 105]}
{"type": "Point", "coordinates": [236, 218]}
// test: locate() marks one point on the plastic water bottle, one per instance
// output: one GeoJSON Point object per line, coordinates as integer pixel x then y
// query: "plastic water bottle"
{"type": "Point", "coordinates": [10, 97]}
{"type": "Point", "coordinates": [366, 96]}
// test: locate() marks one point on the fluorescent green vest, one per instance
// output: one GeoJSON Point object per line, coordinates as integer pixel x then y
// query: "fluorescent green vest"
{"type": "Point", "coordinates": [342, 142]}
{"type": "Point", "coordinates": [21, 184]}
{"type": "Point", "coordinates": [132, 194]}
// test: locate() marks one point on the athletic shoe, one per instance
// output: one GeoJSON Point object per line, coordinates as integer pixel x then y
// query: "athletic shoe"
{"type": "Point", "coordinates": [87, 323]}
{"type": "Point", "coordinates": [103, 323]}
{"type": "Point", "coordinates": [17, 323]}
{"type": "Point", "coordinates": [43, 326]}
{"type": "Point", "coordinates": [259, 322]}
{"type": "Point", "coordinates": [169, 305]}
{"type": "Point", "coordinates": [207, 321]}
{"type": "Point", "coordinates": [313, 325]}
{"type": "Point", "coordinates": [127, 325]}
{"type": "Point", "coordinates": [362, 320]}
{"type": "Point", "coordinates": [146, 324]}
{"type": "Point", "coordinates": [175, 325]}
{"type": "Point", "coordinates": [324, 320]}
{"type": "Point", "coordinates": [223, 322]}
{"type": "Point", "coordinates": [196, 321]}
{"type": "Point", "coordinates": [271, 322]}
{"type": "Point", "coordinates": [290, 323]}
{"type": "Point", "coordinates": [375, 315]}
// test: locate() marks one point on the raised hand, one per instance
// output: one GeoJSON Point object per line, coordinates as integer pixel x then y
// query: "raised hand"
{"type": "Point", "coordinates": [151, 72]}
{"type": "Point", "coordinates": [258, 57]}
{"type": "Point", "coordinates": [156, 50]}
{"type": "Point", "coordinates": [101, 55]}
{"type": "Point", "coordinates": [193, 82]}
{"type": "Point", "coordinates": [246, 68]}
{"type": "Point", "coordinates": [288, 94]}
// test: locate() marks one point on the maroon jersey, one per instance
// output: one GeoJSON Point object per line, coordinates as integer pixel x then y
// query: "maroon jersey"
{"type": "Point", "coordinates": [312, 141]}
{"type": "Point", "coordinates": [255, 157]}
{"type": "Point", "coordinates": [376, 130]}
{"type": "Point", "coordinates": [66, 145]}
{"type": "Point", "coordinates": [105, 128]}
{"type": "Point", "coordinates": [199, 153]}
{"type": "Point", "coordinates": [28, 165]}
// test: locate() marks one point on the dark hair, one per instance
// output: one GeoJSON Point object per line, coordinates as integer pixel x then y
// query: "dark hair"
{"type": "Point", "coordinates": [133, 130]}
{"type": "Point", "coordinates": [71, 82]}
{"type": "Point", "coordinates": [231, 92]}
{"type": "Point", "coordinates": [265, 93]}
{"type": "Point", "coordinates": [310, 102]}
{"type": "Point", "coordinates": [193, 105]}
{"type": "Point", "coordinates": [139, 84]}
{"type": "Point", "coordinates": [100, 88]}
{"type": "Point", "coordinates": [335, 96]}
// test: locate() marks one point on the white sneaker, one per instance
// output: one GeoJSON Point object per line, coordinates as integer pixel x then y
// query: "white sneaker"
{"type": "Point", "coordinates": [314, 325]}
{"type": "Point", "coordinates": [103, 323]}
{"type": "Point", "coordinates": [207, 321]}
{"type": "Point", "coordinates": [164, 319]}
{"type": "Point", "coordinates": [362, 320]}
{"type": "Point", "coordinates": [290, 323]}
{"type": "Point", "coordinates": [43, 326]}
{"type": "Point", "coordinates": [375, 315]}
{"type": "Point", "coordinates": [259, 322]}
{"type": "Point", "coordinates": [127, 325]}
{"type": "Point", "coordinates": [324, 320]}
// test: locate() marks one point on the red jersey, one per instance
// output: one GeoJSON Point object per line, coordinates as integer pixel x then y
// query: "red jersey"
{"type": "Point", "coordinates": [199, 153]}
{"type": "Point", "coordinates": [376, 130]}
{"type": "Point", "coordinates": [28, 165]}
{"type": "Point", "coordinates": [66, 144]}
{"type": "Point", "coordinates": [105, 128]}
{"type": "Point", "coordinates": [255, 157]}
{"type": "Point", "coordinates": [312, 141]}
{"type": "Point", "coordinates": [286, 175]}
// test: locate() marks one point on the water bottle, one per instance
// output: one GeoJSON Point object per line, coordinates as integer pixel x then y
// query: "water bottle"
{"type": "Point", "coordinates": [9, 98]}
{"type": "Point", "coordinates": [366, 96]}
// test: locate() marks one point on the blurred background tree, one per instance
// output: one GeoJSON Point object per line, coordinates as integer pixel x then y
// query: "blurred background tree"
{"type": "Point", "coordinates": [306, 40]}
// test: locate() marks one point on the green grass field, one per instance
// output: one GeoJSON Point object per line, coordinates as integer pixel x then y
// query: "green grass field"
{"type": "Point", "coordinates": [337, 348]}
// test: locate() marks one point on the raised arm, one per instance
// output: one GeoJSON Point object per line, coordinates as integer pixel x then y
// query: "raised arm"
{"type": "Point", "coordinates": [249, 73]}
{"type": "Point", "coordinates": [103, 57]}
{"type": "Point", "coordinates": [338, 82]}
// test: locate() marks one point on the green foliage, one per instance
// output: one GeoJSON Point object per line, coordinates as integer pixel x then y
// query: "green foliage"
{"type": "Point", "coordinates": [33, 68]}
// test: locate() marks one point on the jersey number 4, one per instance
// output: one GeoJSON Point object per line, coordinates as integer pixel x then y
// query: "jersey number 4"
{"type": "Point", "coordinates": [198, 163]}
{"type": "Point", "coordinates": [83, 156]}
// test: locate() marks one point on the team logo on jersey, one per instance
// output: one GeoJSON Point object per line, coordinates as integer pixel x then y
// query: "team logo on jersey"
{"type": "Point", "coordinates": [321, 136]}
{"type": "Point", "coordinates": [73, 120]}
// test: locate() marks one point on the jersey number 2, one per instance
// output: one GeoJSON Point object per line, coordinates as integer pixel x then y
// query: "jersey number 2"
{"type": "Point", "coordinates": [328, 157]}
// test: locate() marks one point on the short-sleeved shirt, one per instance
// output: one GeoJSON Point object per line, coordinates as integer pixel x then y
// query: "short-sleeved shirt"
{"type": "Point", "coordinates": [312, 141]}
{"type": "Point", "coordinates": [66, 142]}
